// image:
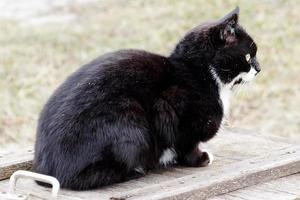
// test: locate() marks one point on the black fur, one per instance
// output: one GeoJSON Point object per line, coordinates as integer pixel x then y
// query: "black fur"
{"type": "Point", "coordinates": [120, 112]}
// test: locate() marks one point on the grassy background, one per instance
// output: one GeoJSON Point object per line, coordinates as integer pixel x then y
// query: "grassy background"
{"type": "Point", "coordinates": [36, 55]}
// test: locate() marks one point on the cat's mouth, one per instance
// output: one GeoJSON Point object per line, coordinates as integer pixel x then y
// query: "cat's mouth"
{"type": "Point", "coordinates": [239, 81]}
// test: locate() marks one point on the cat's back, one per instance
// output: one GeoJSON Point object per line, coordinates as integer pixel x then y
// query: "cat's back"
{"type": "Point", "coordinates": [124, 71]}
{"type": "Point", "coordinates": [104, 82]}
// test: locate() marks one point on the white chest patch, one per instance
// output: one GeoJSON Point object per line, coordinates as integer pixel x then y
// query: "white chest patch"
{"type": "Point", "coordinates": [225, 93]}
{"type": "Point", "coordinates": [168, 157]}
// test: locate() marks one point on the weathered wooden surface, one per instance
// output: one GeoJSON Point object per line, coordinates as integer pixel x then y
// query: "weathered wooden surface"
{"type": "Point", "coordinates": [286, 188]}
{"type": "Point", "coordinates": [241, 160]}
{"type": "Point", "coordinates": [12, 161]}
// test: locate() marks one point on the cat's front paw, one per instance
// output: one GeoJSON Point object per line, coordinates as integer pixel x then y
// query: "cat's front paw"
{"type": "Point", "coordinates": [203, 148]}
{"type": "Point", "coordinates": [198, 158]}
{"type": "Point", "coordinates": [204, 159]}
{"type": "Point", "coordinates": [210, 156]}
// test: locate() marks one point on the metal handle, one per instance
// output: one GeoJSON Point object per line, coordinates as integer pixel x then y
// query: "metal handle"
{"type": "Point", "coordinates": [35, 176]}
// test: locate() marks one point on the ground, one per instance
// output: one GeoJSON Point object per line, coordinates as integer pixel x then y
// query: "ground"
{"type": "Point", "coordinates": [43, 41]}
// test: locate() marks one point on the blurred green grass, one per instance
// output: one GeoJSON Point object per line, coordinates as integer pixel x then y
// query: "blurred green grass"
{"type": "Point", "coordinates": [35, 59]}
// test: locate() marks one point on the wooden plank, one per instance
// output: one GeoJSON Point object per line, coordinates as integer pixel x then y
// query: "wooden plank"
{"type": "Point", "coordinates": [243, 145]}
{"type": "Point", "coordinates": [199, 185]}
{"type": "Point", "coordinates": [282, 188]}
{"type": "Point", "coordinates": [275, 138]}
{"type": "Point", "coordinates": [25, 187]}
{"type": "Point", "coordinates": [13, 161]}
{"type": "Point", "coordinates": [226, 145]}
{"type": "Point", "coordinates": [225, 179]}
{"type": "Point", "coordinates": [241, 159]}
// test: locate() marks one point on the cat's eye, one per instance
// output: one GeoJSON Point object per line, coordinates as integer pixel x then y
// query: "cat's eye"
{"type": "Point", "coordinates": [248, 57]}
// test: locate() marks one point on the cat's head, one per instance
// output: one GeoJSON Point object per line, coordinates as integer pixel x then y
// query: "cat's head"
{"type": "Point", "coordinates": [223, 46]}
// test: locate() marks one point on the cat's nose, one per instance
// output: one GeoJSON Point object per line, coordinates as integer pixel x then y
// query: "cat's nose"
{"type": "Point", "coordinates": [257, 70]}
{"type": "Point", "coordinates": [255, 65]}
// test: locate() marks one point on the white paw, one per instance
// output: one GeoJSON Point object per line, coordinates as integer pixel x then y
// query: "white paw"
{"type": "Point", "coordinates": [168, 157]}
{"type": "Point", "coordinates": [210, 156]}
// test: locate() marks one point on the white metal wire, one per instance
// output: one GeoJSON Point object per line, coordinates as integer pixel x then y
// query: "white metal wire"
{"type": "Point", "coordinates": [29, 175]}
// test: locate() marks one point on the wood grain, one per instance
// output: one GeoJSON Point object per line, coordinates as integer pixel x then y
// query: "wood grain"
{"type": "Point", "coordinates": [213, 182]}
{"type": "Point", "coordinates": [13, 161]}
{"type": "Point", "coordinates": [285, 188]}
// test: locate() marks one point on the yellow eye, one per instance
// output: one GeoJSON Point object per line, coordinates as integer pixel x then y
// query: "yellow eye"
{"type": "Point", "coordinates": [248, 57]}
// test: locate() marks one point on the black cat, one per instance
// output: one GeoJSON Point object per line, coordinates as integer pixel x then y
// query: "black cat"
{"type": "Point", "coordinates": [131, 111]}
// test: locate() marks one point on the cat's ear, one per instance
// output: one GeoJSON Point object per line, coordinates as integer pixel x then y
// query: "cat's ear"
{"type": "Point", "coordinates": [227, 26]}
